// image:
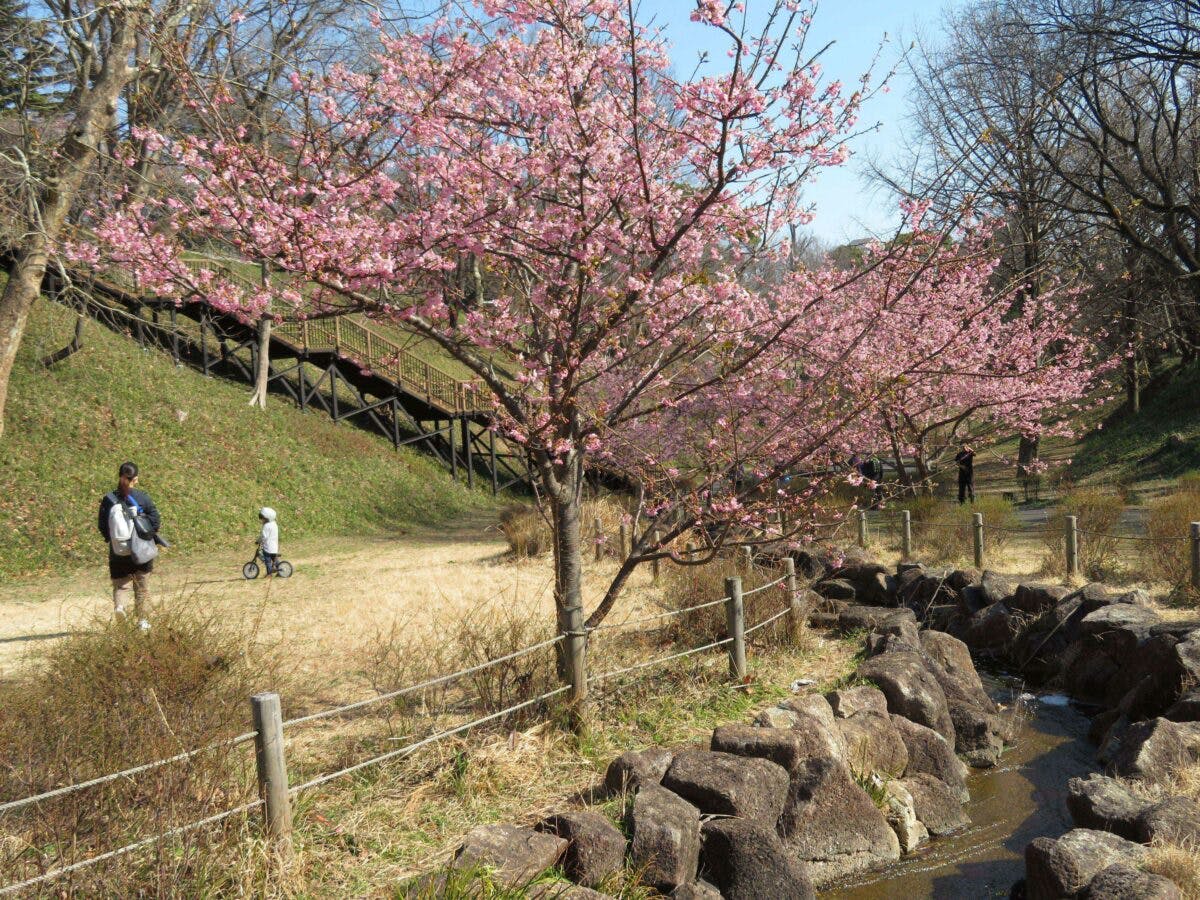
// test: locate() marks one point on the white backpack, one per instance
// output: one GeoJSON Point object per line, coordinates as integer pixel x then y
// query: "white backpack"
{"type": "Point", "coordinates": [120, 528]}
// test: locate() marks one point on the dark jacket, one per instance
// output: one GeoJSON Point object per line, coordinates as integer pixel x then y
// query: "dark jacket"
{"type": "Point", "coordinates": [121, 566]}
{"type": "Point", "coordinates": [966, 464]}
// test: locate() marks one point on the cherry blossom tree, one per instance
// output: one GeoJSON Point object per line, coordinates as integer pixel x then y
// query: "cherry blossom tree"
{"type": "Point", "coordinates": [622, 215]}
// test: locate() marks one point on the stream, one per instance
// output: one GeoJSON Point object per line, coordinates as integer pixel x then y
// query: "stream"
{"type": "Point", "coordinates": [1020, 799]}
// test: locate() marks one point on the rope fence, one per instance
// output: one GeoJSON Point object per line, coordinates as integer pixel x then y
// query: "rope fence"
{"type": "Point", "coordinates": [275, 790]}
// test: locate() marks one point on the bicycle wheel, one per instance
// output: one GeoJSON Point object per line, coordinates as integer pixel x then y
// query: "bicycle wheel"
{"type": "Point", "coordinates": [250, 571]}
{"type": "Point", "coordinates": [285, 569]}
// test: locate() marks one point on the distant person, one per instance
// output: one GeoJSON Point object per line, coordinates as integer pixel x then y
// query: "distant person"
{"type": "Point", "coordinates": [128, 520]}
{"type": "Point", "coordinates": [965, 460]}
{"type": "Point", "coordinates": [268, 540]}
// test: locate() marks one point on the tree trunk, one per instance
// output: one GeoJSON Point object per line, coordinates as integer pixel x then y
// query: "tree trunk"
{"type": "Point", "coordinates": [262, 369]}
{"type": "Point", "coordinates": [566, 504]}
{"type": "Point", "coordinates": [901, 469]}
{"type": "Point", "coordinates": [76, 153]}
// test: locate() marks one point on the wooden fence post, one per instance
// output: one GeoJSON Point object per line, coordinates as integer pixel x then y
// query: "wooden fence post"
{"type": "Point", "coordinates": [624, 538]}
{"type": "Point", "coordinates": [796, 617]}
{"type": "Point", "coordinates": [977, 538]}
{"type": "Point", "coordinates": [267, 716]}
{"type": "Point", "coordinates": [862, 528]}
{"type": "Point", "coordinates": [656, 563]}
{"type": "Point", "coordinates": [1072, 546]}
{"type": "Point", "coordinates": [747, 560]}
{"type": "Point", "coordinates": [906, 535]}
{"type": "Point", "coordinates": [597, 538]}
{"type": "Point", "coordinates": [1196, 556]}
{"type": "Point", "coordinates": [735, 624]}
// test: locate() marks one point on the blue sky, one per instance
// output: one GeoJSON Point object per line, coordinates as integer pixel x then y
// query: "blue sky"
{"type": "Point", "coordinates": [846, 208]}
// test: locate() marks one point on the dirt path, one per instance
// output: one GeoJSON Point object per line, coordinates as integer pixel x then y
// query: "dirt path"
{"type": "Point", "coordinates": [346, 593]}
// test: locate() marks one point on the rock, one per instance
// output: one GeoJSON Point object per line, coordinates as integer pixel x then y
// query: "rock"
{"type": "Point", "coordinates": [1103, 804]}
{"type": "Point", "coordinates": [955, 671]}
{"type": "Point", "coordinates": [993, 629]}
{"type": "Point", "coordinates": [1175, 820]}
{"type": "Point", "coordinates": [923, 591]}
{"type": "Point", "coordinates": [959, 579]}
{"type": "Point", "coordinates": [809, 565]}
{"type": "Point", "coordinates": [873, 744]}
{"type": "Point", "coordinates": [1180, 629]}
{"type": "Point", "coordinates": [877, 644]}
{"type": "Point", "coordinates": [901, 814]}
{"type": "Point", "coordinates": [936, 804]}
{"type": "Point", "coordinates": [595, 847]}
{"type": "Point", "coordinates": [697, 890]}
{"type": "Point", "coordinates": [747, 861]}
{"type": "Point", "coordinates": [1122, 882]}
{"type": "Point", "coordinates": [872, 583]}
{"type": "Point", "coordinates": [1154, 669]}
{"type": "Point", "coordinates": [724, 784]}
{"type": "Point", "coordinates": [976, 734]}
{"type": "Point", "coordinates": [1036, 598]}
{"type": "Point", "coordinates": [830, 822]}
{"type": "Point", "coordinates": [972, 600]}
{"type": "Point", "coordinates": [848, 701]}
{"type": "Point", "coordinates": [635, 768]}
{"type": "Point", "coordinates": [931, 754]}
{"type": "Point", "coordinates": [1064, 867]}
{"type": "Point", "coordinates": [835, 589]}
{"type": "Point", "coordinates": [514, 855]}
{"type": "Point", "coordinates": [817, 725]}
{"type": "Point", "coordinates": [911, 690]}
{"type": "Point", "coordinates": [783, 746]}
{"type": "Point", "coordinates": [1185, 709]}
{"type": "Point", "coordinates": [1039, 650]}
{"type": "Point", "coordinates": [1121, 617]}
{"type": "Point", "coordinates": [1187, 659]}
{"type": "Point", "coordinates": [1152, 750]}
{"type": "Point", "coordinates": [561, 890]}
{"type": "Point", "coordinates": [666, 838]}
{"type": "Point", "coordinates": [996, 588]}
{"type": "Point", "coordinates": [776, 717]}
{"type": "Point", "coordinates": [883, 619]}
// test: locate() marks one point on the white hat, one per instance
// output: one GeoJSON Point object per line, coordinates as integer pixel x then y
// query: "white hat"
{"type": "Point", "coordinates": [267, 513]}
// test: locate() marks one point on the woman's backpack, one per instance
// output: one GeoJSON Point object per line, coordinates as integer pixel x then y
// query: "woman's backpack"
{"type": "Point", "coordinates": [129, 534]}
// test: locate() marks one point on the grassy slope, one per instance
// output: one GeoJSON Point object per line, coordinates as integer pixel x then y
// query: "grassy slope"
{"type": "Point", "coordinates": [1162, 441]}
{"type": "Point", "coordinates": [208, 460]}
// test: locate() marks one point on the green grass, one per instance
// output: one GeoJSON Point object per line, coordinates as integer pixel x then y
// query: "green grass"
{"type": "Point", "coordinates": [1161, 441]}
{"type": "Point", "coordinates": [207, 459]}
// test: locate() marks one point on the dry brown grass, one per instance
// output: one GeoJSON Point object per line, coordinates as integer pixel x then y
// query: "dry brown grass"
{"type": "Point", "coordinates": [1168, 524]}
{"type": "Point", "coordinates": [1180, 864]}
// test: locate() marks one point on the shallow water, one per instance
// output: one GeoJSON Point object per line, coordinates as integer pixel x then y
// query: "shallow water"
{"type": "Point", "coordinates": [1022, 798]}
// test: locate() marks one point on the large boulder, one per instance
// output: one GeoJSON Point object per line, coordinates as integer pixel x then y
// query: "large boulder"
{"type": "Point", "coordinates": [955, 670]}
{"type": "Point", "coordinates": [977, 734]}
{"type": "Point", "coordinates": [873, 584]}
{"type": "Point", "coordinates": [1175, 820]}
{"type": "Point", "coordinates": [1153, 671]}
{"type": "Point", "coordinates": [901, 812]}
{"type": "Point", "coordinates": [785, 747]}
{"type": "Point", "coordinates": [724, 784]}
{"type": "Point", "coordinates": [747, 861]}
{"type": "Point", "coordinates": [835, 589]}
{"type": "Point", "coordinates": [882, 619]}
{"type": "Point", "coordinates": [996, 588]}
{"type": "Point", "coordinates": [937, 805]}
{"type": "Point", "coordinates": [831, 823]}
{"type": "Point", "coordinates": [1064, 867]}
{"type": "Point", "coordinates": [1153, 749]}
{"type": "Point", "coordinates": [911, 690]}
{"type": "Point", "coordinates": [816, 725]}
{"type": "Point", "coordinates": [848, 701]}
{"type": "Point", "coordinates": [1035, 598]}
{"type": "Point", "coordinates": [1039, 649]}
{"type": "Point", "coordinates": [873, 743]}
{"type": "Point", "coordinates": [634, 769]}
{"type": "Point", "coordinates": [931, 754]}
{"type": "Point", "coordinates": [665, 842]}
{"type": "Point", "coordinates": [595, 848]}
{"type": "Point", "coordinates": [1104, 804]}
{"type": "Point", "coordinates": [993, 629]}
{"type": "Point", "coordinates": [1185, 709]}
{"type": "Point", "coordinates": [514, 855]}
{"type": "Point", "coordinates": [1124, 882]}
{"type": "Point", "coordinates": [924, 590]}
{"type": "Point", "coordinates": [697, 890]}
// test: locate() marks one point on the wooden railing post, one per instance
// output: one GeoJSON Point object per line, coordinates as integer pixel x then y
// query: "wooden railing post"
{"type": "Point", "coordinates": [977, 538]}
{"type": "Point", "coordinates": [862, 528]}
{"type": "Point", "coordinates": [1072, 537]}
{"type": "Point", "coordinates": [796, 615]}
{"type": "Point", "coordinates": [906, 535]}
{"type": "Point", "coordinates": [624, 537]}
{"type": "Point", "coordinates": [735, 628]}
{"type": "Point", "coordinates": [267, 716]}
{"type": "Point", "coordinates": [597, 536]}
{"type": "Point", "coordinates": [747, 559]}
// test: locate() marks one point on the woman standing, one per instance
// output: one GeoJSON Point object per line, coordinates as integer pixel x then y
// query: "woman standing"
{"type": "Point", "coordinates": [128, 576]}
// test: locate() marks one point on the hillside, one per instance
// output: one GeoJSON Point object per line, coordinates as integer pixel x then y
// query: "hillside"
{"type": "Point", "coordinates": [208, 460]}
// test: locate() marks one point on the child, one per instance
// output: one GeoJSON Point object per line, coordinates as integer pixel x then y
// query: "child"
{"type": "Point", "coordinates": [268, 541]}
